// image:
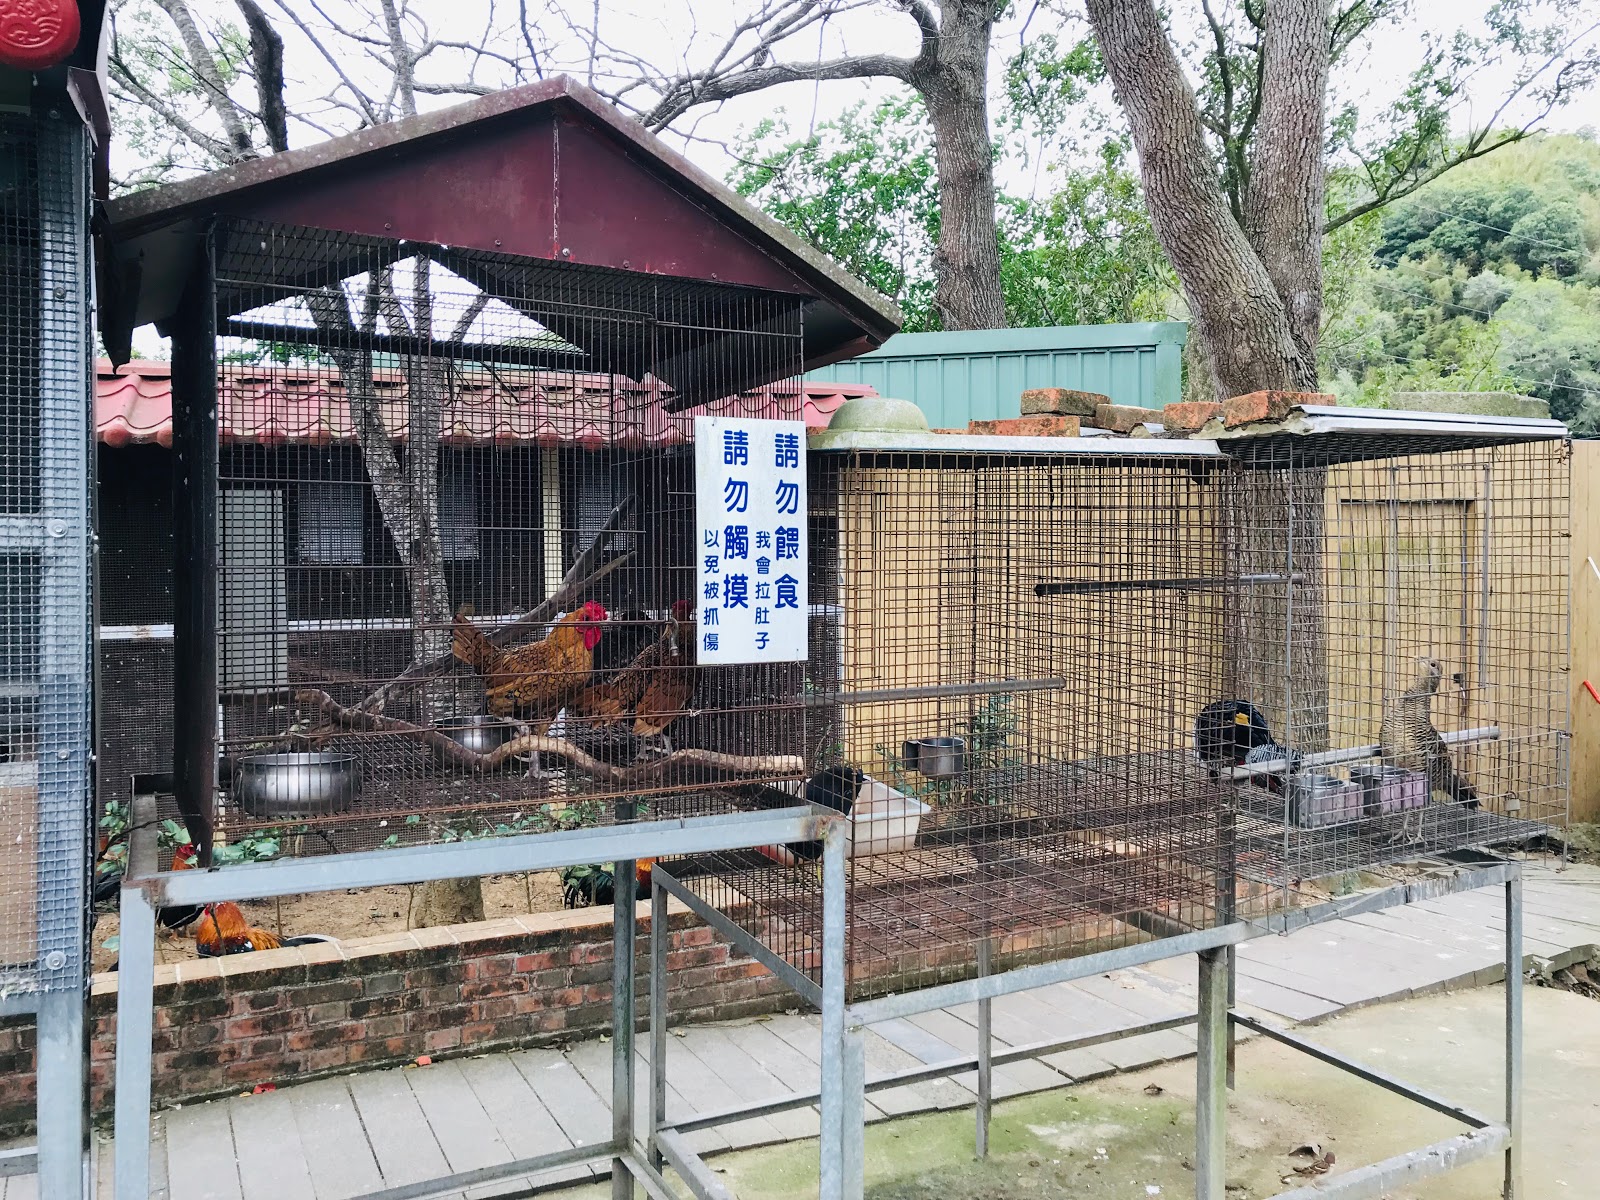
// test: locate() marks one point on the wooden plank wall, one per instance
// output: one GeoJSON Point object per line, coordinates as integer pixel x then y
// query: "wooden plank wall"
{"type": "Point", "coordinates": [1585, 631]}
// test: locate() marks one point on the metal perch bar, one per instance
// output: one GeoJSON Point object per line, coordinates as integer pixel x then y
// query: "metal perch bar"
{"type": "Point", "coordinates": [455, 752]}
{"type": "Point", "coordinates": [1190, 583]}
{"type": "Point", "coordinates": [934, 691]}
{"type": "Point", "coordinates": [1484, 733]}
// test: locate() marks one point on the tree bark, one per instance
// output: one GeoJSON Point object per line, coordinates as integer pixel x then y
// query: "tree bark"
{"type": "Point", "coordinates": [1283, 205]}
{"type": "Point", "coordinates": [1236, 307]}
{"type": "Point", "coordinates": [445, 902]}
{"type": "Point", "coordinates": [968, 293]}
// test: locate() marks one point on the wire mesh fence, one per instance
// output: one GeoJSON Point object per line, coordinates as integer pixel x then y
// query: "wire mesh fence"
{"type": "Point", "coordinates": [456, 574]}
{"type": "Point", "coordinates": [46, 700]}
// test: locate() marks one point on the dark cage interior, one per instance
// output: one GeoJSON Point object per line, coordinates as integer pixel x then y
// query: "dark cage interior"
{"type": "Point", "coordinates": [1125, 691]}
{"type": "Point", "coordinates": [455, 585]}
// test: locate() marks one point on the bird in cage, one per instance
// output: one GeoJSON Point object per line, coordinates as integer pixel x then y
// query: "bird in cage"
{"type": "Point", "coordinates": [223, 929]}
{"type": "Point", "coordinates": [1233, 733]}
{"type": "Point", "coordinates": [645, 698]}
{"type": "Point", "coordinates": [108, 883]}
{"type": "Point", "coordinates": [1408, 740]}
{"type": "Point", "coordinates": [533, 682]}
{"type": "Point", "coordinates": [596, 883]}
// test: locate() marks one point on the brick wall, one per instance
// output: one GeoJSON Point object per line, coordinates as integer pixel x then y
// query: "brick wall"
{"type": "Point", "coordinates": [223, 1025]}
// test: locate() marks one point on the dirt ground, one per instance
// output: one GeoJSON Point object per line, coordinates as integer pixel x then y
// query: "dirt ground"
{"type": "Point", "coordinates": [1130, 1137]}
{"type": "Point", "coordinates": [357, 912]}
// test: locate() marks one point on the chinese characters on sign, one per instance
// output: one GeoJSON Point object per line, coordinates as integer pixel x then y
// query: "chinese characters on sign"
{"type": "Point", "coordinates": [750, 504]}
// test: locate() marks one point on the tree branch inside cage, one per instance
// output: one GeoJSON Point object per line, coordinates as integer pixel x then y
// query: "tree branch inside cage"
{"type": "Point", "coordinates": [584, 574]}
{"type": "Point", "coordinates": [762, 765]}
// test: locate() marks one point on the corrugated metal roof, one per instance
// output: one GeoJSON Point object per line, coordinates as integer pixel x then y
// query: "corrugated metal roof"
{"type": "Point", "coordinates": [980, 375]}
{"type": "Point", "coordinates": [280, 405]}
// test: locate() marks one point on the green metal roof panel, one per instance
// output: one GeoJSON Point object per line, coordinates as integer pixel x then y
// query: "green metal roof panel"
{"type": "Point", "coordinates": [981, 374]}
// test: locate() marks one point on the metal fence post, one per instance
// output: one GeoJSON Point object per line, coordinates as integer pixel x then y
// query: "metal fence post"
{"type": "Point", "coordinates": [623, 945]}
{"type": "Point", "coordinates": [853, 1114]}
{"type": "Point", "coordinates": [658, 1018]}
{"type": "Point", "coordinates": [1513, 1176]}
{"type": "Point", "coordinates": [136, 981]}
{"type": "Point", "coordinates": [985, 1052]}
{"type": "Point", "coordinates": [1211, 1104]}
{"type": "Point", "coordinates": [832, 1134]}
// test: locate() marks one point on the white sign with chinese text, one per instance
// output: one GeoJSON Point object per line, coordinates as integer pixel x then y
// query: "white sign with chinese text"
{"type": "Point", "coordinates": [750, 509]}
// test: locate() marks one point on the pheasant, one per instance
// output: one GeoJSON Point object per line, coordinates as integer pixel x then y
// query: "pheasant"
{"type": "Point", "coordinates": [1407, 738]}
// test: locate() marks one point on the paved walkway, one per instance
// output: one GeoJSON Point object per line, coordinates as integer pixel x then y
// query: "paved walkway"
{"type": "Point", "coordinates": [337, 1138]}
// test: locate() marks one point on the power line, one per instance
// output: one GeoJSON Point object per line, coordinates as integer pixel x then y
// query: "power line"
{"type": "Point", "coordinates": [1519, 237]}
{"type": "Point", "coordinates": [1566, 387]}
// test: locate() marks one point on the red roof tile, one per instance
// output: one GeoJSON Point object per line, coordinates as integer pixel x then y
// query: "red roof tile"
{"type": "Point", "coordinates": [281, 405]}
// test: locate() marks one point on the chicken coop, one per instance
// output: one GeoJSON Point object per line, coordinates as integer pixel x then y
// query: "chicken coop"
{"type": "Point", "coordinates": [1104, 701]}
{"type": "Point", "coordinates": [46, 610]}
{"type": "Point", "coordinates": [436, 391]}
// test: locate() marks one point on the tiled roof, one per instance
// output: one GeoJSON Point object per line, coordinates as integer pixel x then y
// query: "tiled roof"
{"type": "Point", "coordinates": [291, 405]}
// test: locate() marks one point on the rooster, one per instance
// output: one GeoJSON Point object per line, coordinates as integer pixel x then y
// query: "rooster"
{"type": "Point", "coordinates": [224, 930]}
{"type": "Point", "coordinates": [533, 682]}
{"type": "Point", "coordinates": [108, 882]}
{"type": "Point", "coordinates": [596, 884]}
{"type": "Point", "coordinates": [647, 695]}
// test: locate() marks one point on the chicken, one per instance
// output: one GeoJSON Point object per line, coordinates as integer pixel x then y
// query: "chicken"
{"type": "Point", "coordinates": [533, 682]}
{"type": "Point", "coordinates": [653, 690]}
{"type": "Point", "coordinates": [108, 882]}
{"type": "Point", "coordinates": [1407, 738]}
{"type": "Point", "coordinates": [224, 930]}
{"type": "Point", "coordinates": [594, 884]}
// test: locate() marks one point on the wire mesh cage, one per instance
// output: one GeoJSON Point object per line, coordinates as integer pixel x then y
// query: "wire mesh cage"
{"type": "Point", "coordinates": [1024, 641]}
{"type": "Point", "coordinates": [1097, 696]}
{"type": "Point", "coordinates": [46, 701]}
{"type": "Point", "coordinates": [456, 568]}
{"type": "Point", "coordinates": [1401, 640]}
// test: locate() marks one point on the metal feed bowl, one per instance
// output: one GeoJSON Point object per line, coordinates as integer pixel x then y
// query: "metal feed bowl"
{"type": "Point", "coordinates": [481, 735]}
{"type": "Point", "coordinates": [274, 786]}
{"type": "Point", "coordinates": [936, 757]}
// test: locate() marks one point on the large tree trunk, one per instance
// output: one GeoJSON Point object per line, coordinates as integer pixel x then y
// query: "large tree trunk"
{"type": "Point", "coordinates": [1255, 292]}
{"type": "Point", "coordinates": [968, 293]}
{"type": "Point", "coordinates": [1283, 205]}
{"type": "Point", "coordinates": [1236, 307]}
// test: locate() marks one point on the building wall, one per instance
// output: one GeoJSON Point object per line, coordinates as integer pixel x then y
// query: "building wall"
{"type": "Point", "coordinates": [981, 374]}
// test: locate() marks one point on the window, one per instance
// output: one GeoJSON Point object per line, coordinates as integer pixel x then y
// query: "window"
{"type": "Point", "coordinates": [458, 511]}
{"type": "Point", "coordinates": [331, 523]}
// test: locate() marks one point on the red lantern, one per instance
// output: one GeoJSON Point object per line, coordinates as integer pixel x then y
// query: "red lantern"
{"type": "Point", "coordinates": [35, 34]}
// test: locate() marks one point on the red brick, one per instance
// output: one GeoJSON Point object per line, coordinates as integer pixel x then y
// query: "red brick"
{"type": "Point", "coordinates": [1062, 401]}
{"type": "Point", "coordinates": [1046, 426]}
{"type": "Point", "coordinates": [1121, 418]}
{"type": "Point", "coordinates": [1187, 418]}
{"type": "Point", "coordinates": [539, 962]}
{"type": "Point", "coordinates": [1267, 406]}
{"type": "Point", "coordinates": [442, 1039]}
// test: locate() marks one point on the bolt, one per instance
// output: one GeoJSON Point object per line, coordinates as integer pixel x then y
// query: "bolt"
{"type": "Point", "coordinates": [55, 960]}
{"type": "Point", "coordinates": [58, 529]}
{"type": "Point", "coordinates": [61, 293]}
{"type": "Point", "coordinates": [566, 252]}
{"type": "Point", "coordinates": [497, 243]}
{"type": "Point", "coordinates": [62, 755]}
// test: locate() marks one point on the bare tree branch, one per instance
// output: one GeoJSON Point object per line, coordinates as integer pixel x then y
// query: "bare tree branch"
{"type": "Point", "coordinates": [266, 53]}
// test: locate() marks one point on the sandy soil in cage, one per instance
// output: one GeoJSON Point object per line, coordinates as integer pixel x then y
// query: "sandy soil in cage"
{"type": "Point", "coordinates": [352, 913]}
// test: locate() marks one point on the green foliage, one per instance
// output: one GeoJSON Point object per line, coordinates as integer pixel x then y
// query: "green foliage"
{"type": "Point", "coordinates": [864, 190]}
{"type": "Point", "coordinates": [471, 827]}
{"type": "Point", "coordinates": [1483, 281]}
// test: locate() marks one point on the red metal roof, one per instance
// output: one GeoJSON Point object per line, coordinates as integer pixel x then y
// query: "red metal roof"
{"type": "Point", "coordinates": [286, 405]}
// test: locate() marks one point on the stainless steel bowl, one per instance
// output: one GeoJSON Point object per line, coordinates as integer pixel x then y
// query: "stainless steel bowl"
{"type": "Point", "coordinates": [297, 785]}
{"type": "Point", "coordinates": [936, 757]}
{"type": "Point", "coordinates": [481, 735]}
